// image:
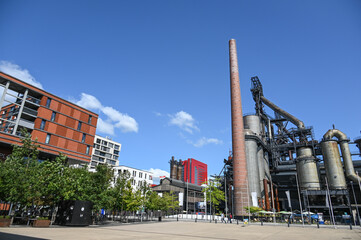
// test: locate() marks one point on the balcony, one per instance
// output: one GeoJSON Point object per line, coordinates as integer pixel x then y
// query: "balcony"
{"type": "Point", "coordinates": [26, 123]}
{"type": "Point", "coordinates": [33, 100]}
{"type": "Point", "coordinates": [30, 111]}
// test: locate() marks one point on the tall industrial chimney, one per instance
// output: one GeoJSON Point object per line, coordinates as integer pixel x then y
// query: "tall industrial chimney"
{"type": "Point", "coordinates": [240, 177]}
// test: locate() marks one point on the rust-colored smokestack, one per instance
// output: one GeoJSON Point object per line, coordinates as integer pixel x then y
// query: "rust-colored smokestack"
{"type": "Point", "coordinates": [240, 177]}
{"type": "Point", "coordinates": [173, 168]}
{"type": "Point", "coordinates": [180, 170]}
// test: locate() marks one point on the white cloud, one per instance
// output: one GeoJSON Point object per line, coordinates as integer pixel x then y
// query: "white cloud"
{"type": "Point", "coordinates": [183, 120]}
{"type": "Point", "coordinates": [158, 173]}
{"type": "Point", "coordinates": [123, 121]}
{"type": "Point", "coordinates": [204, 141]}
{"type": "Point", "coordinates": [89, 102]}
{"type": "Point", "coordinates": [105, 127]}
{"type": "Point", "coordinates": [115, 119]}
{"type": "Point", "coordinates": [16, 71]}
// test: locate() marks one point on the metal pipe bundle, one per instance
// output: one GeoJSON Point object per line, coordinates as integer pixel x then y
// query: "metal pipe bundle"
{"type": "Point", "coordinates": [334, 159]}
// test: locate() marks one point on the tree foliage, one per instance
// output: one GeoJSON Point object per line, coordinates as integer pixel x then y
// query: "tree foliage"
{"type": "Point", "coordinates": [28, 181]}
{"type": "Point", "coordinates": [213, 194]}
{"type": "Point", "coordinates": [252, 210]}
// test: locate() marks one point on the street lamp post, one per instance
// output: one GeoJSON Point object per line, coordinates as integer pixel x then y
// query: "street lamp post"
{"type": "Point", "coordinates": [299, 199]}
{"type": "Point", "coordinates": [187, 200]}
{"type": "Point", "coordinates": [225, 193]}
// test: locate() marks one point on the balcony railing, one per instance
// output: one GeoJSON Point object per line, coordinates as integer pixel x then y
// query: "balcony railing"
{"type": "Point", "coordinates": [30, 111]}
{"type": "Point", "coordinates": [33, 100]}
{"type": "Point", "coordinates": [26, 123]}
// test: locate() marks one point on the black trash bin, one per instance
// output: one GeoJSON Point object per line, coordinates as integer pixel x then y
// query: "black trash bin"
{"type": "Point", "coordinates": [159, 219]}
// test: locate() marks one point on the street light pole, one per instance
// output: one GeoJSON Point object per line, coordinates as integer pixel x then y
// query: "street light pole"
{"type": "Point", "coordinates": [299, 199]}
{"type": "Point", "coordinates": [187, 201]}
{"type": "Point", "coordinates": [354, 197]}
{"type": "Point", "coordinates": [225, 193]}
{"type": "Point", "coordinates": [210, 206]}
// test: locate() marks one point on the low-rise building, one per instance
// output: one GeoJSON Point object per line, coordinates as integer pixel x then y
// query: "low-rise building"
{"type": "Point", "coordinates": [137, 176]}
{"type": "Point", "coordinates": [189, 195]}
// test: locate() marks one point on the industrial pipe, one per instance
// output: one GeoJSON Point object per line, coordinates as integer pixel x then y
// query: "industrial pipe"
{"type": "Point", "coordinates": [285, 114]}
{"type": "Point", "coordinates": [345, 151]}
{"type": "Point", "coordinates": [266, 196]}
{"type": "Point", "coordinates": [276, 198]}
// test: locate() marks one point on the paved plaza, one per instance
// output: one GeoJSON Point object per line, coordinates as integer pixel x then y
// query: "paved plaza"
{"type": "Point", "coordinates": [172, 230]}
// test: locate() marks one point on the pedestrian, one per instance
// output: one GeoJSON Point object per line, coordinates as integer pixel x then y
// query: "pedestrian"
{"type": "Point", "coordinates": [230, 218]}
{"type": "Point", "coordinates": [222, 217]}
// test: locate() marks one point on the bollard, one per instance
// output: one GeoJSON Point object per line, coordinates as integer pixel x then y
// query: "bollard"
{"type": "Point", "coordinates": [350, 225]}
{"type": "Point", "coordinates": [177, 218]}
{"type": "Point", "coordinates": [237, 221]}
{"type": "Point", "coordinates": [196, 220]}
{"type": "Point", "coordinates": [262, 222]}
{"type": "Point", "coordinates": [215, 221]}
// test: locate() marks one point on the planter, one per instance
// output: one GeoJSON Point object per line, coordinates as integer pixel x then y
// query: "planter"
{"type": "Point", "coordinates": [5, 222]}
{"type": "Point", "coordinates": [41, 223]}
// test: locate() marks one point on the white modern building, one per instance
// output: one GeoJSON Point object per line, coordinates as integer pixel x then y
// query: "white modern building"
{"type": "Point", "coordinates": [137, 175]}
{"type": "Point", "coordinates": [105, 151]}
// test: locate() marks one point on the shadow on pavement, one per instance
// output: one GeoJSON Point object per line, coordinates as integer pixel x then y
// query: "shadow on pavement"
{"type": "Point", "coordinates": [9, 236]}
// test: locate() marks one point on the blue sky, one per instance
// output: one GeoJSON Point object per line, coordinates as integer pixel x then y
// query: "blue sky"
{"type": "Point", "coordinates": [157, 71]}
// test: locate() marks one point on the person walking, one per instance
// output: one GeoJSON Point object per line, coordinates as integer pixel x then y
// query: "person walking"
{"type": "Point", "coordinates": [222, 217]}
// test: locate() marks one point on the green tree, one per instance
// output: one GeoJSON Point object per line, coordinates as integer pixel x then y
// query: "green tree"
{"type": "Point", "coordinates": [152, 201]}
{"type": "Point", "coordinates": [213, 194]}
{"type": "Point", "coordinates": [101, 187]}
{"type": "Point", "coordinates": [19, 178]}
{"type": "Point", "coordinates": [253, 210]}
{"type": "Point", "coordinates": [50, 180]}
{"type": "Point", "coordinates": [116, 196]}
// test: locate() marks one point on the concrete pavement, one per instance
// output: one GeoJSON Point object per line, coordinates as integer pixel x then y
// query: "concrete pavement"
{"type": "Point", "coordinates": [179, 230]}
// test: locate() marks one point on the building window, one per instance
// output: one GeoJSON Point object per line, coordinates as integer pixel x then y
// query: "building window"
{"type": "Point", "coordinates": [98, 140]}
{"type": "Point", "coordinates": [79, 126]}
{"type": "Point", "coordinates": [140, 175]}
{"type": "Point", "coordinates": [42, 125]}
{"type": "Point", "coordinates": [116, 147]}
{"type": "Point", "coordinates": [116, 152]}
{"type": "Point", "coordinates": [48, 101]}
{"type": "Point", "coordinates": [53, 116]}
{"type": "Point", "coordinates": [105, 143]}
{"type": "Point", "coordinates": [83, 138]}
{"type": "Point", "coordinates": [87, 150]}
{"type": "Point", "coordinates": [150, 177]}
{"type": "Point", "coordinates": [111, 145]}
{"type": "Point", "coordinates": [105, 149]}
{"type": "Point", "coordinates": [90, 119]}
{"type": "Point", "coordinates": [47, 140]}
{"type": "Point", "coordinates": [145, 175]}
{"type": "Point", "coordinates": [134, 173]}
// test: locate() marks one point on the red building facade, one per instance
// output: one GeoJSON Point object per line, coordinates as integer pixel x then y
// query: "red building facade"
{"type": "Point", "coordinates": [57, 124]}
{"type": "Point", "coordinates": [194, 171]}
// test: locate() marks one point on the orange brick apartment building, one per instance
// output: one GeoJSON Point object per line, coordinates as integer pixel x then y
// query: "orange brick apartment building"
{"type": "Point", "coordinates": [57, 124]}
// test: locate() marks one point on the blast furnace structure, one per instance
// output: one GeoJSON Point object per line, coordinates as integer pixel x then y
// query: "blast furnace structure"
{"type": "Point", "coordinates": [270, 157]}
